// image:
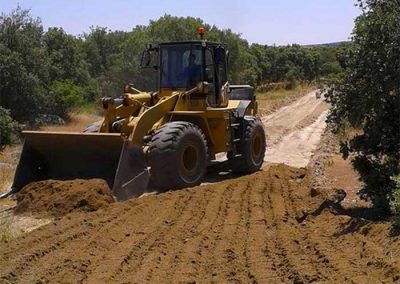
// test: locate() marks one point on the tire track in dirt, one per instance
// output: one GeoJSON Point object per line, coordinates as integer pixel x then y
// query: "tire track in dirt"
{"type": "Point", "coordinates": [75, 233]}
{"type": "Point", "coordinates": [296, 115]}
{"type": "Point", "coordinates": [261, 265]}
{"type": "Point", "coordinates": [187, 263]}
{"type": "Point", "coordinates": [274, 247]}
{"type": "Point", "coordinates": [233, 263]}
{"type": "Point", "coordinates": [240, 230]}
{"type": "Point", "coordinates": [351, 255]}
{"type": "Point", "coordinates": [202, 262]}
{"type": "Point", "coordinates": [313, 265]}
{"type": "Point", "coordinates": [169, 262]}
{"type": "Point", "coordinates": [159, 258]}
{"type": "Point", "coordinates": [135, 259]}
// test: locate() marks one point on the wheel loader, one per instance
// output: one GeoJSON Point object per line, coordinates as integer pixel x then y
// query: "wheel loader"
{"type": "Point", "coordinates": [157, 140]}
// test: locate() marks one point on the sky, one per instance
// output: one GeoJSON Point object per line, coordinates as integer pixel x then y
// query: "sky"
{"type": "Point", "coordinates": [270, 22]}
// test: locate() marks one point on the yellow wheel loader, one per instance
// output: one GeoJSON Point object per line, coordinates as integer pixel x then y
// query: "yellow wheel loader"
{"type": "Point", "coordinates": [157, 140]}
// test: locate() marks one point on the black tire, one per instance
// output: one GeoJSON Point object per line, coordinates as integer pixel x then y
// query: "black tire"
{"type": "Point", "coordinates": [94, 127]}
{"type": "Point", "coordinates": [177, 156]}
{"type": "Point", "coordinates": [251, 148]}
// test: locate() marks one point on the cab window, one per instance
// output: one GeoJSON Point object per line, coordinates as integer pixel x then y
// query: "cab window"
{"type": "Point", "coordinates": [180, 66]}
{"type": "Point", "coordinates": [220, 66]}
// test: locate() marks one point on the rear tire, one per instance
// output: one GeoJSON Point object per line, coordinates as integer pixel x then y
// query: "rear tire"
{"type": "Point", "coordinates": [177, 156]}
{"type": "Point", "coordinates": [251, 148]}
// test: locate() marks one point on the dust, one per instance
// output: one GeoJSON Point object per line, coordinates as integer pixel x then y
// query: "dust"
{"type": "Point", "coordinates": [58, 198]}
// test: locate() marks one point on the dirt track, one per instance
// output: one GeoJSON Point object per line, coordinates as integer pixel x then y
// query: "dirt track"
{"type": "Point", "coordinates": [242, 230]}
{"type": "Point", "coordinates": [294, 131]}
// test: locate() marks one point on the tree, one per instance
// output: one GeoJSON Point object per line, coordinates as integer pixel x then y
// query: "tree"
{"type": "Point", "coordinates": [367, 97]}
{"type": "Point", "coordinates": [7, 127]}
{"type": "Point", "coordinates": [37, 67]}
{"type": "Point", "coordinates": [23, 64]}
{"type": "Point", "coordinates": [66, 60]}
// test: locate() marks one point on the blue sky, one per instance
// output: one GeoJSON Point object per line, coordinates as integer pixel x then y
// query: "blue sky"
{"type": "Point", "coordinates": [266, 22]}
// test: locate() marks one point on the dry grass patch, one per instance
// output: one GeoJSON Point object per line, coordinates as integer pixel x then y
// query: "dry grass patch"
{"type": "Point", "coordinates": [7, 233]}
{"type": "Point", "coordinates": [9, 157]}
{"type": "Point", "coordinates": [276, 98]}
{"type": "Point", "coordinates": [6, 177]}
{"type": "Point", "coordinates": [78, 122]}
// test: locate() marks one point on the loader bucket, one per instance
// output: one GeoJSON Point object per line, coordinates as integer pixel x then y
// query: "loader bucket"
{"type": "Point", "coordinates": [65, 156]}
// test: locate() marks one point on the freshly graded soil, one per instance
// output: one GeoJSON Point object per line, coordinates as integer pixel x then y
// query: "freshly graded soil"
{"type": "Point", "coordinates": [54, 198]}
{"type": "Point", "coordinates": [268, 227]}
{"type": "Point", "coordinates": [273, 226]}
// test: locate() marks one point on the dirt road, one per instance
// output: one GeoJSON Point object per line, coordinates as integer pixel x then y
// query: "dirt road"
{"type": "Point", "coordinates": [294, 131]}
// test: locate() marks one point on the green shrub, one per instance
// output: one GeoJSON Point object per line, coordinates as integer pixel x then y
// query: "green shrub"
{"type": "Point", "coordinates": [395, 202]}
{"type": "Point", "coordinates": [66, 96]}
{"type": "Point", "coordinates": [7, 127]}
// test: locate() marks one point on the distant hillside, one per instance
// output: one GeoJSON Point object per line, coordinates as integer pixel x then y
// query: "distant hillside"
{"type": "Point", "coordinates": [332, 44]}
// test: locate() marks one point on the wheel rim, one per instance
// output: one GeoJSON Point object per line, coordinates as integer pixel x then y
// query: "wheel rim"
{"type": "Point", "coordinates": [190, 160]}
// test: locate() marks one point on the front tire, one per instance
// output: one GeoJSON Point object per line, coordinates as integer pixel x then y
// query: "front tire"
{"type": "Point", "coordinates": [177, 156]}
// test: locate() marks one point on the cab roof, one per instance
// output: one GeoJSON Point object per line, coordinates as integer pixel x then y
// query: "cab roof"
{"type": "Point", "coordinates": [213, 43]}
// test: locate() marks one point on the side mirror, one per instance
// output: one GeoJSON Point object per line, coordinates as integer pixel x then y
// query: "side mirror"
{"type": "Point", "coordinates": [149, 58]}
{"type": "Point", "coordinates": [145, 62]}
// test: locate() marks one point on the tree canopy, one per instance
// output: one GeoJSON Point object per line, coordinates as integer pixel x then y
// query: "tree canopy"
{"type": "Point", "coordinates": [50, 72]}
{"type": "Point", "coordinates": [367, 97]}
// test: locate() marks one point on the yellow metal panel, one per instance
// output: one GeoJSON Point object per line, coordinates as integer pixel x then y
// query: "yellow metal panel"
{"type": "Point", "coordinates": [214, 122]}
{"type": "Point", "coordinates": [233, 104]}
{"type": "Point", "coordinates": [145, 122]}
{"type": "Point", "coordinates": [134, 104]}
{"type": "Point", "coordinates": [220, 129]}
{"type": "Point", "coordinates": [166, 92]}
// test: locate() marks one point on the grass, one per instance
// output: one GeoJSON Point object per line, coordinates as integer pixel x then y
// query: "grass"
{"type": "Point", "coordinates": [7, 173]}
{"type": "Point", "coordinates": [328, 162]}
{"type": "Point", "coordinates": [6, 177]}
{"type": "Point", "coordinates": [276, 98]}
{"type": "Point", "coordinates": [6, 231]}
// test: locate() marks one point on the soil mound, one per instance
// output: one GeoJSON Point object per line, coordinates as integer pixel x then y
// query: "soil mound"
{"type": "Point", "coordinates": [242, 230]}
{"type": "Point", "coordinates": [57, 198]}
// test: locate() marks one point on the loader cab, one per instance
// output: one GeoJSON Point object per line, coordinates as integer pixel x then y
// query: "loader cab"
{"type": "Point", "coordinates": [184, 64]}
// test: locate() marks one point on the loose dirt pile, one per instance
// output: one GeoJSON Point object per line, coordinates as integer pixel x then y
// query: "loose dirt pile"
{"type": "Point", "coordinates": [57, 198]}
{"type": "Point", "coordinates": [241, 230]}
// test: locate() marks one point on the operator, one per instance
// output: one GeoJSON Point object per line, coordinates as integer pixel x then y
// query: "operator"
{"type": "Point", "coordinates": [192, 72]}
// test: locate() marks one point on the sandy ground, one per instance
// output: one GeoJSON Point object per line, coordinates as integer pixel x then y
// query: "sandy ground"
{"type": "Point", "coordinates": [294, 131]}
{"type": "Point", "coordinates": [245, 230]}
{"type": "Point", "coordinates": [269, 227]}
